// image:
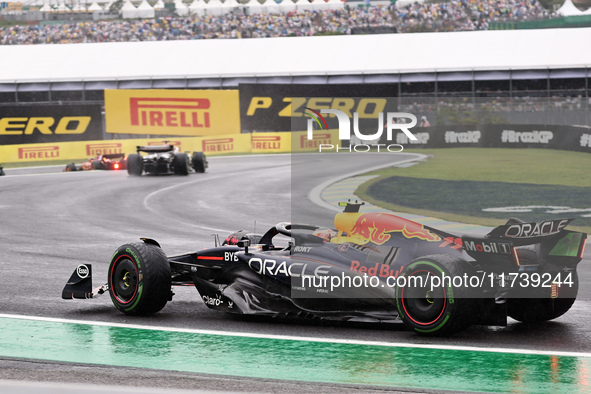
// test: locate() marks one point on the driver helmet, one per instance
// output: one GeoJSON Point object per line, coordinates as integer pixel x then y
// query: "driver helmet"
{"type": "Point", "coordinates": [325, 233]}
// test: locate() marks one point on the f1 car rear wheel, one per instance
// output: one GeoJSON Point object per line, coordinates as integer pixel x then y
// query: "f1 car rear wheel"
{"type": "Point", "coordinates": [543, 303]}
{"type": "Point", "coordinates": [199, 162]}
{"type": "Point", "coordinates": [432, 307]}
{"type": "Point", "coordinates": [135, 164]}
{"type": "Point", "coordinates": [139, 279]}
{"type": "Point", "coordinates": [180, 164]}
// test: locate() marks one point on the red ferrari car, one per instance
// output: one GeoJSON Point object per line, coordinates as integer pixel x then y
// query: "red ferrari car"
{"type": "Point", "coordinates": [116, 161]}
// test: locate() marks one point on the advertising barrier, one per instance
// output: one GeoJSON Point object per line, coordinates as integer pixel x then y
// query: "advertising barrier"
{"type": "Point", "coordinates": [172, 112]}
{"type": "Point", "coordinates": [237, 143]}
{"type": "Point", "coordinates": [489, 136]}
{"type": "Point", "coordinates": [78, 150]}
{"type": "Point", "coordinates": [291, 142]}
{"type": "Point", "coordinates": [301, 143]}
{"type": "Point", "coordinates": [50, 123]}
{"type": "Point", "coordinates": [500, 136]}
{"type": "Point", "coordinates": [270, 107]}
{"type": "Point", "coordinates": [270, 142]}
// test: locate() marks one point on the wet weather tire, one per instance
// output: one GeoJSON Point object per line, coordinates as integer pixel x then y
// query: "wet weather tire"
{"type": "Point", "coordinates": [135, 164]}
{"type": "Point", "coordinates": [199, 161]}
{"type": "Point", "coordinates": [139, 279]}
{"type": "Point", "coordinates": [538, 303]}
{"type": "Point", "coordinates": [181, 164]}
{"type": "Point", "coordinates": [439, 309]}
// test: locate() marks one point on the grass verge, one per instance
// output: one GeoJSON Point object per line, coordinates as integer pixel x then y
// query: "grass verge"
{"type": "Point", "coordinates": [537, 166]}
{"type": "Point", "coordinates": [526, 166]}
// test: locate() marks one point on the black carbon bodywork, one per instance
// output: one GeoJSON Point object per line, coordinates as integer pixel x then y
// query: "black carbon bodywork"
{"type": "Point", "coordinates": [367, 254]}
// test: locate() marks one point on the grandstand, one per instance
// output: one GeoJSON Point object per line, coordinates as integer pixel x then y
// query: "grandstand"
{"type": "Point", "coordinates": [531, 71]}
{"type": "Point", "coordinates": [69, 22]}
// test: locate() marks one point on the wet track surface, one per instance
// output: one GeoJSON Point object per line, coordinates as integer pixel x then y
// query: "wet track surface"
{"type": "Point", "coordinates": [52, 222]}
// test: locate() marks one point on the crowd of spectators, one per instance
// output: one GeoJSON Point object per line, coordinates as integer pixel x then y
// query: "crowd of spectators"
{"type": "Point", "coordinates": [466, 15]}
{"type": "Point", "coordinates": [452, 15]}
{"type": "Point", "coordinates": [520, 110]}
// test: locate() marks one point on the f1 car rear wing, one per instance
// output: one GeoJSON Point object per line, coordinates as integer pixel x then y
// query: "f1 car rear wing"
{"type": "Point", "coordinates": [155, 148]}
{"type": "Point", "coordinates": [551, 240]}
{"type": "Point", "coordinates": [114, 156]}
{"type": "Point", "coordinates": [529, 233]}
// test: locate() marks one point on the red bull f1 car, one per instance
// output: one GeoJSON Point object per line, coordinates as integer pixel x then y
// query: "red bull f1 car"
{"type": "Point", "coordinates": [115, 161]}
{"type": "Point", "coordinates": [165, 159]}
{"type": "Point", "coordinates": [372, 267]}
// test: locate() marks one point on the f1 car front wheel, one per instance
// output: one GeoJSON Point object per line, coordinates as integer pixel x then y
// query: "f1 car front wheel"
{"type": "Point", "coordinates": [135, 164]}
{"type": "Point", "coordinates": [139, 279]}
{"type": "Point", "coordinates": [429, 304]}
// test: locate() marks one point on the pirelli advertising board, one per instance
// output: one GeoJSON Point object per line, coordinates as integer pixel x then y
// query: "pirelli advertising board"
{"type": "Point", "coordinates": [49, 124]}
{"type": "Point", "coordinates": [270, 107]}
{"type": "Point", "coordinates": [80, 150]}
{"type": "Point", "coordinates": [172, 112]}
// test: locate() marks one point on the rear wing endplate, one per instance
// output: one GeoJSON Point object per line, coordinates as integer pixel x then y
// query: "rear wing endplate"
{"type": "Point", "coordinates": [522, 233]}
{"type": "Point", "coordinates": [552, 242]}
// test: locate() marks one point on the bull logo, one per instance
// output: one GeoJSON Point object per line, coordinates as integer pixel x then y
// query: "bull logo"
{"type": "Point", "coordinates": [376, 228]}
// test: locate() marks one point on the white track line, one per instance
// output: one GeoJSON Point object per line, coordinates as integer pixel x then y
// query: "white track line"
{"type": "Point", "coordinates": [165, 189]}
{"type": "Point", "coordinates": [315, 194]}
{"type": "Point", "coordinates": [299, 338]}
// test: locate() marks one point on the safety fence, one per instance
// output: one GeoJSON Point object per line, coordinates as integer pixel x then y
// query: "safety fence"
{"type": "Point", "coordinates": [500, 136]}
{"type": "Point", "coordinates": [256, 143]}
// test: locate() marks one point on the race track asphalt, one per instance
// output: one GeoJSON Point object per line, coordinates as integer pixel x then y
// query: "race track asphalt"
{"type": "Point", "coordinates": [52, 221]}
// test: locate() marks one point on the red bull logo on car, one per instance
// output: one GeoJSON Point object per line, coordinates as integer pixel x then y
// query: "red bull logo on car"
{"type": "Point", "coordinates": [377, 228]}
